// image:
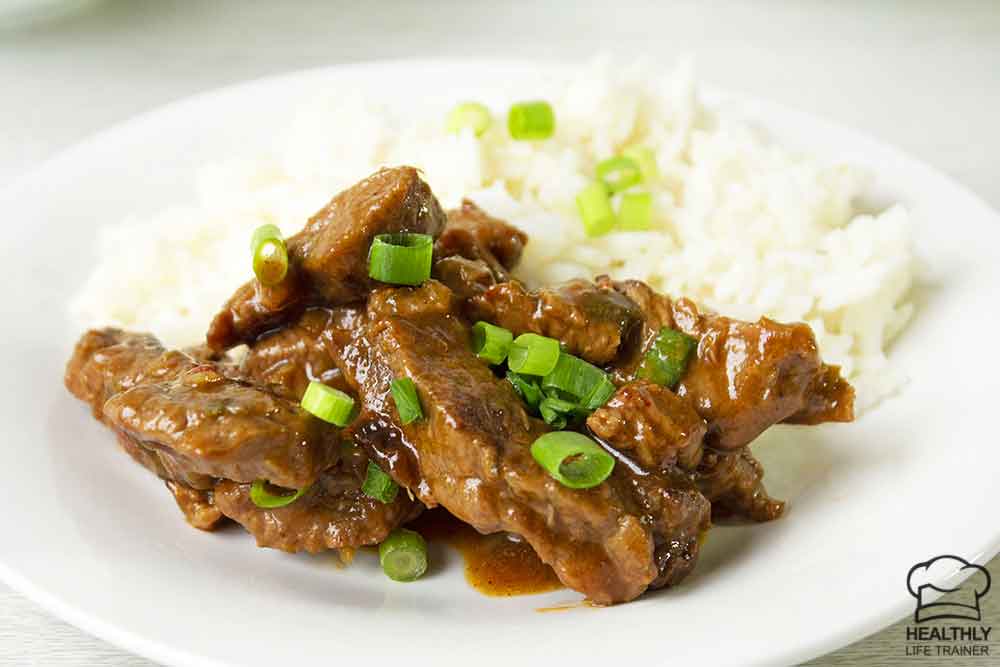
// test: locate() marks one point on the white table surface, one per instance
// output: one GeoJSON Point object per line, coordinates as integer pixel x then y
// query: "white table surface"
{"type": "Point", "coordinates": [922, 75]}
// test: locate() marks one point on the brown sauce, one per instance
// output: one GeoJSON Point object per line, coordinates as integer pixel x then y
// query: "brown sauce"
{"type": "Point", "coordinates": [495, 565]}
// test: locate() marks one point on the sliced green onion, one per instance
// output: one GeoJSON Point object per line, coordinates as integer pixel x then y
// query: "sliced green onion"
{"type": "Point", "coordinates": [604, 390]}
{"type": "Point", "coordinates": [574, 376]}
{"type": "Point", "coordinates": [491, 342]}
{"type": "Point", "coordinates": [379, 485]}
{"type": "Point", "coordinates": [572, 459]}
{"type": "Point", "coordinates": [646, 159]}
{"type": "Point", "coordinates": [636, 211]}
{"type": "Point", "coordinates": [531, 121]}
{"type": "Point", "coordinates": [270, 255]}
{"type": "Point", "coordinates": [594, 205]}
{"type": "Point", "coordinates": [404, 393]}
{"type": "Point", "coordinates": [470, 115]}
{"type": "Point", "coordinates": [401, 259]}
{"type": "Point", "coordinates": [527, 388]}
{"type": "Point", "coordinates": [264, 233]}
{"type": "Point", "coordinates": [403, 555]}
{"type": "Point", "coordinates": [618, 173]}
{"type": "Point", "coordinates": [532, 354]}
{"type": "Point", "coordinates": [667, 358]}
{"type": "Point", "coordinates": [329, 404]}
{"type": "Point", "coordinates": [261, 495]}
{"type": "Point", "coordinates": [557, 412]}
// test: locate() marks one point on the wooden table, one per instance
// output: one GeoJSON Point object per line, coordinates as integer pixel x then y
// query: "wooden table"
{"type": "Point", "coordinates": [922, 75]}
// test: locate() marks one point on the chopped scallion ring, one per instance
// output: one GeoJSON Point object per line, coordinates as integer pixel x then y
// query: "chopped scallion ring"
{"type": "Point", "coordinates": [532, 354]}
{"type": "Point", "coordinates": [404, 394]}
{"type": "Point", "coordinates": [270, 255]}
{"type": "Point", "coordinates": [490, 342]}
{"type": "Point", "coordinates": [470, 115]}
{"type": "Point", "coordinates": [379, 485]}
{"type": "Point", "coordinates": [572, 459]}
{"type": "Point", "coordinates": [557, 412]}
{"type": "Point", "coordinates": [618, 173]}
{"type": "Point", "coordinates": [594, 205]}
{"type": "Point", "coordinates": [667, 358]}
{"type": "Point", "coordinates": [527, 388]}
{"type": "Point", "coordinates": [635, 213]}
{"type": "Point", "coordinates": [604, 390]}
{"type": "Point", "coordinates": [531, 121]}
{"type": "Point", "coordinates": [575, 377]}
{"type": "Point", "coordinates": [261, 495]}
{"type": "Point", "coordinates": [646, 159]}
{"type": "Point", "coordinates": [401, 259]}
{"type": "Point", "coordinates": [403, 555]}
{"type": "Point", "coordinates": [331, 405]}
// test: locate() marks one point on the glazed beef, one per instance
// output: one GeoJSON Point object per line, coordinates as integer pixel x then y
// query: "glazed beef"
{"type": "Point", "coordinates": [471, 454]}
{"type": "Point", "coordinates": [732, 482]}
{"type": "Point", "coordinates": [745, 376]}
{"type": "Point", "coordinates": [473, 234]}
{"type": "Point", "coordinates": [205, 423]}
{"type": "Point", "coordinates": [333, 514]}
{"type": "Point", "coordinates": [589, 320]}
{"type": "Point", "coordinates": [328, 259]}
{"type": "Point", "coordinates": [287, 360]}
{"type": "Point", "coordinates": [196, 422]}
{"type": "Point", "coordinates": [652, 423]}
{"type": "Point", "coordinates": [196, 505]}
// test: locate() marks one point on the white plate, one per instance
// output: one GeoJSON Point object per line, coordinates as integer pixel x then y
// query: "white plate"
{"type": "Point", "coordinates": [97, 540]}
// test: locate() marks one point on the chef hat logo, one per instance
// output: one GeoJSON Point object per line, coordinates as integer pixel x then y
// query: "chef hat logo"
{"type": "Point", "coordinates": [965, 581]}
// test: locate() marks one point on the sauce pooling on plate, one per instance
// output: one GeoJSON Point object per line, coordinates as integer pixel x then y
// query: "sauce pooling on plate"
{"type": "Point", "coordinates": [496, 565]}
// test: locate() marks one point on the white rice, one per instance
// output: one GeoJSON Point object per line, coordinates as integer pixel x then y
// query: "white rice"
{"type": "Point", "coordinates": [741, 225]}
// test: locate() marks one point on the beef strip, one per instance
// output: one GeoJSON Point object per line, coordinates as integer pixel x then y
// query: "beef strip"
{"type": "Point", "coordinates": [732, 482]}
{"type": "Point", "coordinates": [333, 514]}
{"type": "Point", "coordinates": [473, 234]}
{"type": "Point", "coordinates": [328, 259]}
{"type": "Point", "coordinates": [589, 320]}
{"type": "Point", "coordinates": [196, 505]}
{"type": "Point", "coordinates": [471, 452]}
{"type": "Point", "coordinates": [205, 423]}
{"type": "Point", "coordinates": [655, 424]}
{"type": "Point", "coordinates": [286, 360]}
{"type": "Point", "coordinates": [197, 423]}
{"type": "Point", "coordinates": [745, 376]}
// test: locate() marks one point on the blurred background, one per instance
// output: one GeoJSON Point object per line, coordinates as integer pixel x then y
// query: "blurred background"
{"type": "Point", "coordinates": [924, 75]}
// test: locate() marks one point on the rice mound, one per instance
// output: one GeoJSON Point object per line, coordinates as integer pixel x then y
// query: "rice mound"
{"type": "Point", "coordinates": [741, 225]}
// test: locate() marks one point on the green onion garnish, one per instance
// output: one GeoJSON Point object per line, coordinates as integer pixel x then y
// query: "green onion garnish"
{"type": "Point", "coordinates": [618, 173]}
{"type": "Point", "coordinates": [572, 459]}
{"type": "Point", "coordinates": [594, 205]}
{"type": "Point", "coordinates": [270, 255]}
{"type": "Point", "coordinates": [531, 121]}
{"type": "Point", "coordinates": [604, 390]}
{"type": "Point", "coordinates": [404, 393]}
{"type": "Point", "coordinates": [667, 358]}
{"type": "Point", "coordinates": [379, 485]}
{"type": "Point", "coordinates": [636, 211]}
{"type": "Point", "coordinates": [557, 412]}
{"type": "Point", "coordinates": [470, 115]}
{"type": "Point", "coordinates": [401, 259]}
{"type": "Point", "coordinates": [261, 495]}
{"type": "Point", "coordinates": [532, 354]}
{"type": "Point", "coordinates": [329, 404]}
{"type": "Point", "coordinates": [403, 555]}
{"type": "Point", "coordinates": [575, 377]}
{"type": "Point", "coordinates": [646, 159]}
{"type": "Point", "coordinates": [527, 388]}
{"type": "Point", "coordinates": [490, 342]}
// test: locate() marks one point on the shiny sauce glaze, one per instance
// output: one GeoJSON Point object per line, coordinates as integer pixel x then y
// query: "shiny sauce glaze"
{"type": "Point", "coordinates": [497, 565]}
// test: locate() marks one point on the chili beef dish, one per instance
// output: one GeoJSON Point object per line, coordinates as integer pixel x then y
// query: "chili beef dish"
{"type": "Point", "coordinates": [384, 361]}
